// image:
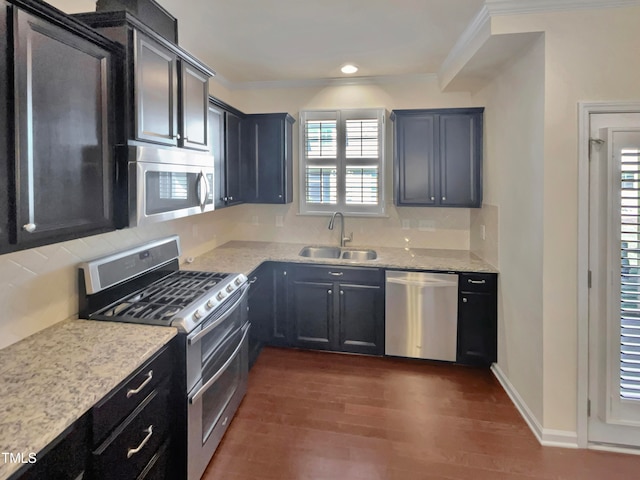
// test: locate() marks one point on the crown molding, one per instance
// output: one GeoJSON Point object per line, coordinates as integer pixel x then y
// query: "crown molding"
{"type": "Point", "coordinates": [519, 7]}
{"type": "Point", "coordinates": [328, 82]}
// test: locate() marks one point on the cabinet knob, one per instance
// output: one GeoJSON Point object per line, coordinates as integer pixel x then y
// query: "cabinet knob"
{"type": "Point", "coordinates": [433, 199]}
{"type": "Point", "coordinates": [444, 198]}
{"type": "Point", "coordinates": [329, 292]}
{"type": "Point", "coordinates": [464, 300]}
{"type": "Point", "coordinates": [284, 273]}
{"type": "Point", "coordinates": [178, 136]}
{"type": "Point", "coordinates": [341, 292]}
{"type": "Point", "coordinates": [279, 196]}
{"type": "Point", "coordinates": [29, 227]}
{"type": "Point", "coordinates": [231, 199]}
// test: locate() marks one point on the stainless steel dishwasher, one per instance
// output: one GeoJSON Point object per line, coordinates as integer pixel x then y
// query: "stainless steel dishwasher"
{"type": "Point", "coordinates": [421, 315]}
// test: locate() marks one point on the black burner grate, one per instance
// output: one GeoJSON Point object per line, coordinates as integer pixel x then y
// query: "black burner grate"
{"type": "Point", "coordinates": [165, 298]}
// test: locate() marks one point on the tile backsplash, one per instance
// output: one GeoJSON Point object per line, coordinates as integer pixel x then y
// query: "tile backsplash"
{"type": "Point", "coordinates": [38, 287]}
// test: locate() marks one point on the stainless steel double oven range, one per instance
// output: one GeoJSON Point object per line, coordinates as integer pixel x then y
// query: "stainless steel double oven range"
{"type": "Point", "coordinates": [144, 285]}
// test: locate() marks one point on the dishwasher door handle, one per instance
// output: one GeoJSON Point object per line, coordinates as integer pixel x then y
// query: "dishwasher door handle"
{"type": "Point", "coordinates": [418, 283]}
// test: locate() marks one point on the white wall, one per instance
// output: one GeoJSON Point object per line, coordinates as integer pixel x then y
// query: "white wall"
{"type": "Point", "coordinates": [513, 184]}
{"type": "Point", "coordinates": [446, 228]}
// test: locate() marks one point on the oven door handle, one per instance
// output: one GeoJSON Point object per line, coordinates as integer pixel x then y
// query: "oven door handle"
{"type": "Point", "coordinates": [196, 396]}
{"type": "Point", "coordinates": [206, 330]}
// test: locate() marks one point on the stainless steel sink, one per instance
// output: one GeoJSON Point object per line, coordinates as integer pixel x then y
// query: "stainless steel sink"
{"type": "Point", "coordinates": [359, 255]}
{"type": "Point", "coordinates": [337, 252]}
{"type": "Point", "coordinates": [320, 252]}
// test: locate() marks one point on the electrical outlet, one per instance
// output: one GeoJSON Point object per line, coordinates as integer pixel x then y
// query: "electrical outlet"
{"type": "Point", "coordinates": [279, 221]}
{"type": "Point", "coordinates": [406, 224]}
{"type": "Point", "coordinates": [427, 226]}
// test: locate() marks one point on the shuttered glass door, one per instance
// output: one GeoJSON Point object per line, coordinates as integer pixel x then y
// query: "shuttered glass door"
{"type": "Point", "coordinates": [626, 155]}
{"type": "Point", "coordinates": [614, 351]}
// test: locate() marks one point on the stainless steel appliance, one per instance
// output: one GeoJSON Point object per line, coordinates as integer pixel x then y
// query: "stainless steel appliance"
{"type": "Point", "coordinates": [144, 285]}
{"type": "Point", "coordinates": [421, 315]}
{"type": "Point", "coordinates": [164, 184]}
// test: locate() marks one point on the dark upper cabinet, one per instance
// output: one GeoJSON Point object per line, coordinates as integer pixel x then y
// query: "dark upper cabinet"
{"type": "Point", "coordinates": [225, 139]}
{"type": "Point", "coordinates": [57, 129]}
{"type": "Point", "coordinates": [477, 319]}
{"type": "Point", "coordinates": [438, 157]}
{"type": "Point", "coordinates": [156, 92]}
{"type": "Point", "coordinates": [5, 151]}
{"type": "Point", "coordinates": [267, 158]}
{"type": "Point", "coordinates": [193, 114]}
{"type": "Point", "coordinates": [166, 94]}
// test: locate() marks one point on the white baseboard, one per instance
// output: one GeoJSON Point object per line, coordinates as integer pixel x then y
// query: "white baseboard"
{"type": "Point", "coordinates": [546, 436]}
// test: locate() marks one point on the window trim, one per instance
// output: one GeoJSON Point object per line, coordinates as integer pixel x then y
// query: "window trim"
{"type": "Point", "coordinates": [341, 116]}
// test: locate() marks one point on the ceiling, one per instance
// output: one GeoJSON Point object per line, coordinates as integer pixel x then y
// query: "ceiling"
{"type": "Point", "coordinates": [303, 40]}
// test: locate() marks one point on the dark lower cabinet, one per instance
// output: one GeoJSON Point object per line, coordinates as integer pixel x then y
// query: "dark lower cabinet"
{"type": "Point", "coordinates": [131, 428]}
{"type": "Point", "coordinates": [337, 308]}
{"type": "Point", "coordinates": [477, 319]}
{"type": "Point", "coordinates": [66, 458]}
{"type": "Point", "coordinates": [268, 308]}
{"type": "Point", "coordinates": [61, 122]}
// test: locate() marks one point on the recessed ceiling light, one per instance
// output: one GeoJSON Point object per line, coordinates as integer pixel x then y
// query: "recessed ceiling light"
{"type": "Point", "coordinates": [349, 68]}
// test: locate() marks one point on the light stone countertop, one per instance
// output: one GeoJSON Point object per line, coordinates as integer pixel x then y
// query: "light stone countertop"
{"type": "Point", "coordinates": [50, 379]}
{"type": "Point", "coordinates": [245, 257]}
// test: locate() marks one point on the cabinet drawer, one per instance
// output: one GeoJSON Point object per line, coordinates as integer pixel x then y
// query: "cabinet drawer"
{"type": "Point", "coordinates": [132, 446]}
{"type": "Point", "coordinates": [477, 282]}
{"type": "Point", "coordinates": [124, 399]}
{"type": "Point", "coordinates": [339, 274]}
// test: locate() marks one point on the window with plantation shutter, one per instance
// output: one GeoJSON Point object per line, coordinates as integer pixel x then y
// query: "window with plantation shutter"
{"type": "Point", "coordinates": [342, 161]}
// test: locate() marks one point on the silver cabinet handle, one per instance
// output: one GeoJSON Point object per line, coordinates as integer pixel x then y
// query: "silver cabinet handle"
{"type": "Point", "coordinates": [132, 451]}
{"type": "Point", "coordinates": [225, 198]}
{"type": "Point", "coordinates": [253, 280]}
{"type": "Point", "coordinates": [133, 391]}
{"type": "Point", "coordinates": [29, 227]}
{"type": "Point", "coordinates": [433, 199]}
{"type": "Point", "coordinates": [329, 292]}
{"type": "Point", "coordinates": [178, 136]}
{"type": "Point", "coordinates": [336, 274]}
{"type": "Point", "coordinates": [477, 282]}
{"type": "Point", "coordinates": [231, 199]}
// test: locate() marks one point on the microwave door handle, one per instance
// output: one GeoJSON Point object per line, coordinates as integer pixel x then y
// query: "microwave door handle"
{"type": "Point", "coordinates": [201, 186]}
{"type": "Point", "coordinates": [222, 369]}
{"type": "Point", "coordinates": [207, 189]}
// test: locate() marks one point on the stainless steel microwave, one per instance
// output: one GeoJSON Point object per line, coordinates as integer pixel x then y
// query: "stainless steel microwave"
{"type": "Point", "coordinates": [165, 184]}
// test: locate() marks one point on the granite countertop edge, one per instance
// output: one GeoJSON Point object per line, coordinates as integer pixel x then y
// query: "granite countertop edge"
{"type": "Point", "coordinates": [78, 363]}
{"type": "Point", "coordinates": [246, 256]}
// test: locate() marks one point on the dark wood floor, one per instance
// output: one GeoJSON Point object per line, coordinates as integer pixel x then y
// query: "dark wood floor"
{"type": "Point", "coordinates": [322, 416]}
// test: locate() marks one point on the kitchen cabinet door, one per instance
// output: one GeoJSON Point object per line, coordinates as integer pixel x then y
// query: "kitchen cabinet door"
{"type": "Point", "coordinates": [361, 328]}
{"type": "Point", "coordinates": [477, 319]}
{"type": "Point", "coordinates": [194, 102]}
{"type": "Point", "coordinates": [312, 314]}
{"type": "Point", "coordinates": [233, 170]}
{"type": "Point", "coordinates": [460, 143]}
{"type": "Point", "coordinates": [267, 158]}
{"type": "Point", "coordinates": [438, 157]}
{"type": "Point", "coordinates": [156, 92]}
{"type": "Point", "coordinates": [217, 149]}
{"type": "Point", "coordinates": [5, 150]}
{"type": "Point", "coordinates": [261, 309]}
{"type": "Point", "coordinates": [415, 160]}
{"type": "Point", "coordinates": [63, 174]}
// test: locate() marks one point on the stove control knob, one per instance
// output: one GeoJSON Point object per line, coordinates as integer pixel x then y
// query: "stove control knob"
{"type": "Point", "coordinates": [238, 281]}
{"type": "Point", "coordinates": [209, 305]}
{"type": "Point", "coordinates": [221, 295]}
{"type": "Point", "coordinates": [229, 288]}
{"type": "Point", "coordinates": [197, 315]}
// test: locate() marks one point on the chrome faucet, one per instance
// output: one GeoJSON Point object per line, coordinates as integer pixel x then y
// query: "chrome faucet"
{"type": "Point", "coordinates": [343, 239]}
